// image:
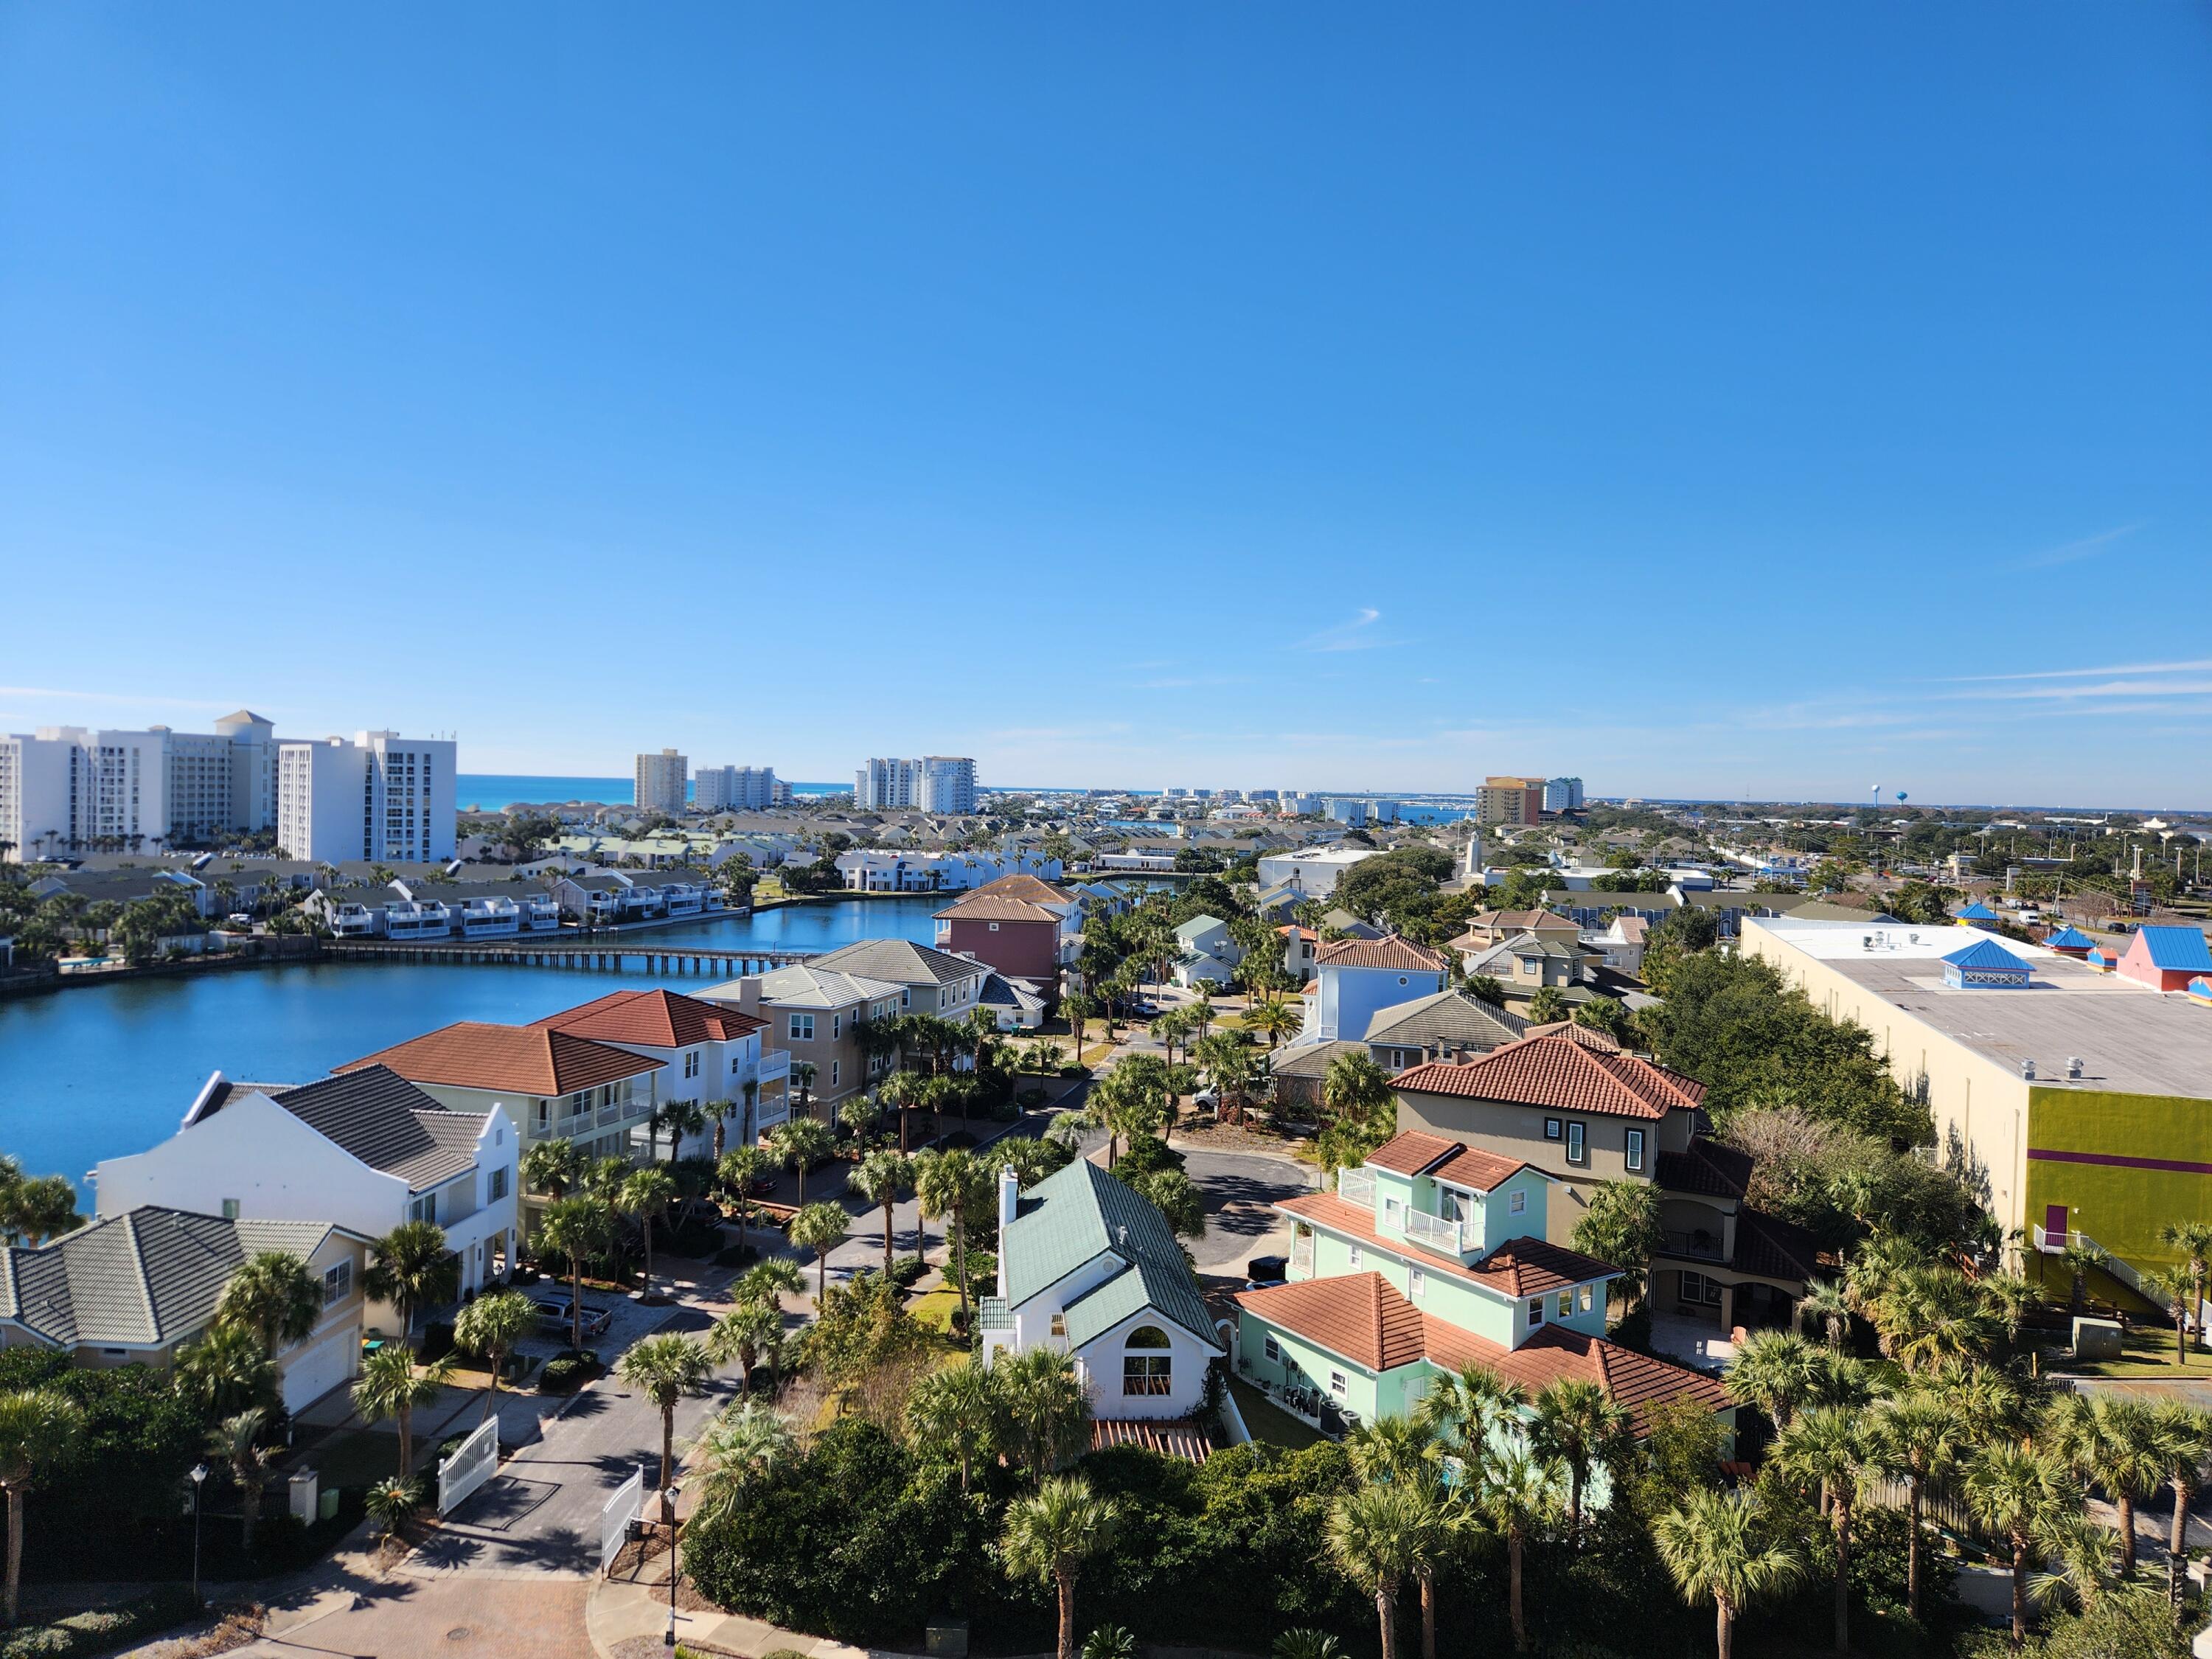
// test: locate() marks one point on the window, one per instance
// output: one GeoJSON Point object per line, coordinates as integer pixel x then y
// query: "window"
{"type": "Point", "coordinates": [1272, 1349]}
{"type": "Point", "coordinates": [337, 1284]}
{"type": "Point", "coordinates": [495, 1189]}
{"type": "Point", "coordinates": [1147, 1367]}
{"type": "Point", "coordinates": [1355, 1257]}
{"type": "Point", "coordinates": [802, 1027]}
{"type": "Point", "coordinates": [424, 1208]}
{"type": "Point", "coordinates": [736, 1060]}
{"type": "Point", "coordinates": [1390, 1207]}
{"type": "Point", "coordinates": [1417, 1282]}
{"type": "Point", "coordinates": [1551, 1128]}
{"type": "Point", "coordinates": [994, 926]}
{"type": "Point", "coordinates": [1696, 1288]}
{"type": "Point", "coordinates": [1582, 1298]}
{"type": "Point", "coordinates": [230, 1209]}
{"type": "Point", "coordinates": [837, 1027]}
{"type": "Point", "coordinates": [1565, 1306]}
{"type": "Point", "coordinates": [1575, 1151]}
{"type": "Point", "coordinates": [1401, 979]}
{"type": "Point", "coordinates": [1339, 1384]}
{"type": "Point", "coordinates": [691, 1062]}
{"type": "Point", "coordinates": [1060, 1324]}
{"type": "Point", "coordinates": [1636, 1149]}
{"type": "Point", "coordinates": [835, 1067]}
{"type": "Point", "coordinates": [544, 1115]}
{"type": "Point", "coordinates": [1535, 1311]}
{"type": "Point", "coordinates": [1516, 1202]}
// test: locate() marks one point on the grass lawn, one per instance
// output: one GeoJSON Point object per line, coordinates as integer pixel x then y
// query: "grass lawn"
{"type": "Point", "coordinates": [1268, 1421]}
{"type": "Point", "coordinates": [2142, 1353]}
{"type": "Point", "coordinates": [935, 1308]}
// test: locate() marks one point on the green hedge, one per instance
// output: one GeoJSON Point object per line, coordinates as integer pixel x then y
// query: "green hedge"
{"type": "Point", "coordinates": [102, 1629]}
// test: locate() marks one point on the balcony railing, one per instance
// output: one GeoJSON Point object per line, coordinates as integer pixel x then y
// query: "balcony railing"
{"type": "Point", "coordinates": [1356, 1186]}
{"type": "Point", "coordinates": [1696, 1246]}
{"type": "Point", "coordinates": [1438, 1234]}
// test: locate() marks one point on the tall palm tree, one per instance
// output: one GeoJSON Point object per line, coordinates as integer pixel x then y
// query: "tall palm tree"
{"type": "Point", "coordinates": [1355, 1087]}
{"type": "Point", "coordinates": [1773, 1371]}
{"type": "Point", "coordinates": [1406, 1451]}
{"type": "Point", "coordinates": [953, 1413]}
{"type": "Point", "coordinates": [2172, 1289]}
{"type": "Point", "coordinates": [1832, 1445]}
{"type": "Point", "coordinates": [745, 1333]}
{"type": "Point", "coordinates": [2016, 1492]}
{"type": "Point", "coordinates": [1577, 1426]}
{"type": "Point", "coordinates": [580, 1228]}
{"type": "Point", "coordinates": [1375, 1537]}
{"type": "Point", "coordinates": [950, 1184]}
{"type": "Point", "coordinates": [2130, 1463]}
{"type": "Point", "coordinates": [883, 1178]}
{"type": "Point", "coordinates": [39, 1430]}
{"type": "Point", "coordinates": [1826, 1312]}
{"type": "Point", "coordinates": [226, 1370]}
{"type": "Point", "coordinates": [552, 1167]}
{"type": "Point", "coordinates": [1045, 1408]}
{"type": "Point", "coordinates": [803, 1072]}
{"type": "Point", "coordinates": [680, 1118]}
{"type": "Point", "coordinates": [2193, 1240]}
{"type": "Point", "coordinates": [276, 1296]}
{"type": "Point", "coordinates": [2185, 1443]}
{"type": "Point", "coordinates": [413, 1270]}
{"type": "Point", "coordinates": [1468, 1408]}
{"type": "Point", "coordinates": [1519, 1496]}
{"type": "Point", "coordinates": [738, 1168]}
{"type": "Point", "coordinates": [390, 1385]}
{"type": "Point", "coordinates": [494, 1326]}
{"type": "Point", "coordinates": [1051, 1534]}
{"type": "Point", "coordinates": [663, 1369]}
{"type": "Point", "coordinates": [1718, 1548]}
{"type": "Point", "coordinates": [820, 1228]}
{"type": "Point", "coordinates": [1919, 1437]}
{"type": "Point", "coordinates": [1273, 1020]}
{"type": "Point", "coordinates": [646, 1194]}
{"type": "Point", "coordinates": [237, 1441]}
{"type": "Point", "coordinates": [802, 1142]}
{"type": "Point", "coordinates": [2081, 1259]}
{"type": "Point", "coordinates": [739, 1449]}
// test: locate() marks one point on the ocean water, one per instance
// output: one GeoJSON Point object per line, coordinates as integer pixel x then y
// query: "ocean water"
{"type": "Point", "coordinates": [495, 791]}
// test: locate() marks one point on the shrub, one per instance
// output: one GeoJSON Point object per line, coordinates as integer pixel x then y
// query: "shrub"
{"type": "Point", "coordinates": [101, 1628]}
{"type": "Point", "coordinates": [566, 1372]}
{"type": "Point", "coordinates": [907, 1269]}
{"type": "Point", "coordinates": [1031, 1098]}
{"type": "Point", "coordinates": [437, 1340]}
{"type": "Point", "coordinates": [1075, 1071]}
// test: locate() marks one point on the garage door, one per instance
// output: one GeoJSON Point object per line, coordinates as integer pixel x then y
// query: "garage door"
{"type": "Point", "coordinates": [315, 1371]}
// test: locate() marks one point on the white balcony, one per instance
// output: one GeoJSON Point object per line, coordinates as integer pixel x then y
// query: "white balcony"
{"type": "Point", "coordinates": [1434, 1232]}
{"type": "Point", "coordinates": [1356, 1186]}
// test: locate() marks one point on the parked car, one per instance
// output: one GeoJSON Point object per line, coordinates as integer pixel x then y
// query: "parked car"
{"type": "Point", "coordinates": [553, 1314]}
{"type": "Point", "coordinates": [1265, 1270]}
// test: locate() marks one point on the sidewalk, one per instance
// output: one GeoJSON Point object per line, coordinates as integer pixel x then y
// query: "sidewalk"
{"type": "Point", "coordinates": [614, 1612]}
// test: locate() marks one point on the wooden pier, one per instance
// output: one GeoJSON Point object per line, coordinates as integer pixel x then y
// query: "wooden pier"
{"type": "Point", "coordinates": [598, 956]}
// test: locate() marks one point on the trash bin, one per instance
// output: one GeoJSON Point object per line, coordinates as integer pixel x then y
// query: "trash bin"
{"type": "Point", "coordinates": [301, 1490]}
{"type": "Point", "coordinates": [326, 1504]}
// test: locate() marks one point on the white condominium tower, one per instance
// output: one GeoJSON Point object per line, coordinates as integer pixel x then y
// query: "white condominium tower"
{"type": "Point", "coordinates": [935, 783]}
{"type": "Point", "coordinates": [68, 789]}
{"type": "Point", "coordinates": [660, 782]}
{"type": "Point", "coordinates": [737, 788]}
{"type": "Point", "coordinates": [381, 797]}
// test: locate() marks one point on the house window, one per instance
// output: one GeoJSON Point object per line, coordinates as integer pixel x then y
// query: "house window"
{"type": "Point", "coordinates": [691, 1062]}
{"type": "Point", "coordinates": [1401, 979]}
{"type": "Point", "coordinates": [802, 1027]}
{"type": "Point", "coordinates": [1636, 1149]}
{"type": "Point", "coordinates": [1551, 1128]}
{"type": "Point", "coordinates": [544, 1115]}
{"type": "Point", "coordinates": [835, 1067]}
{"type": "Point", "coordinates": [1565, 1304]}
{"type": "Point", "coordinates": [906, 998]}
{"type": "Point", "coordinates": [1575, 1150]}
{"type": "Point", "coordinates": [837, 1027]}
{"type": "Point", "coordinates": [736, 1060]}
{"type": "Point", "coordinates": [1535, 1311]}
{"type": "Point", "coordinates": [1355, 1258]}
{"type": "Point", "coordinates": [1147, 1367]}
{"type": "Point", "coordinates": [230, 1209]}
{"type": "Point", "coordinates": [994, 926]}
{"type": "Point", "coordinates": [1060, 1324]}
{"type": "Point", "coordinates": [1696, 1287]}
{"type": "Point", "coordinates": [337, 1284]}
{"type": "Point", "coordinates": [1339, 1384]}
{"type": "Point", "coordinates": [424, 1208]}
{"type": "Point", "coordinates": [1516, 1202]}
{"type": "Point", "coordinates": [1417, 1282]}
{"type": "Point", "coordinates": [1273, 1350]}
{"type": "Point", "coordinates": [495, 1189]}
{"type": "Point", "coordinates": [1583, 1297]}
{"type": "Point", "coordinates": [1390, 1207]}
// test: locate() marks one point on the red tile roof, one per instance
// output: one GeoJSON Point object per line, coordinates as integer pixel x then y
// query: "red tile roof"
{"type": "Point", "coordinates": [1522, 1267]}
{"type": "Point", "coordinates": [1415, 1153]}
{"type": "Point", "coordinates": [523, 1060]}
{"type": "Point", "coordinates": [1362, 1317]}
{"type": "Point", "coordinates": [1560, 1071]}
{"type": "Point", "coordinates": [653, 1019]}
{"type": "Point", "coordinates": [1035, 889]}
{"type": "Point", "coordinates": [1171, 1436]}
{"type": "Point", "coordinates": [981, 906]}
{"type": "Point", "coordinates": [1389, 951]}
{"type": "Point", "coordinates": [1588, 1036]}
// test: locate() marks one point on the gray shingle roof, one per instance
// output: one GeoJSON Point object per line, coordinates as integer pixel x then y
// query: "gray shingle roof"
{"type": "Point", "coordinates": [1080, 1213]}
{"type": "Point", "coordinates": [900, 962]}
{"type": "Point", "coordinates": [1448, 1019]}
{"type": "Point", "coordinates": [389, 1124]}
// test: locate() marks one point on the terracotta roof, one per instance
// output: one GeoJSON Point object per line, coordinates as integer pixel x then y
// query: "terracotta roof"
{"type": "Point", "coordinates": [1171, 1436]}
{"type": "Point", "coordinates": [1389, 951]}
{"type": "Point", "coordinates": [1035, 889]}
{"type": "Point", "coordinates": [980, 906]}
{"type": "Point", "coordinates": [524, 1060]}
{"type": "Point", "coordinates": [1560, 1071]}
{"type": "Point", "coordinates": [1522, 1267]}
{"type": "Point", "coordinates": [1707, 1166]}
{"type": "Point", "coordinates": [1415, 1153]}
{"type": "Point", "coordinates": [1589, 1035]}
{"type": "Point", "coordinates": [1359, 1315]}
{"type": "Point", "coordinates": [1517, 921]}
{"type": "Point", "coordinates": [653, 1019]}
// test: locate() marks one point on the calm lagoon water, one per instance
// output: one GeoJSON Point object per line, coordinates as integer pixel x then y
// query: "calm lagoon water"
{"type": "Point", "coordinates": [100, 1071]}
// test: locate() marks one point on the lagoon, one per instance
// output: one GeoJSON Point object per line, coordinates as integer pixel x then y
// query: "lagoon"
{"type": "Point", "coordinates": [98, 1071]}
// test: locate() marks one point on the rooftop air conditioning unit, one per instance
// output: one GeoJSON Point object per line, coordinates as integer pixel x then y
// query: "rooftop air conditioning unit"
{"type": "Point", "coordinates": [2073, 1067]}
{"type": "Point", "coordinates": [2027, 1070]}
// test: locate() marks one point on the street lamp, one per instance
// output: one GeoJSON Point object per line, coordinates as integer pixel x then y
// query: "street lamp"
{"type": "Point", "coordinates": [199, 1475]}
{"type": "Point", "coordinates": [668, 1636]}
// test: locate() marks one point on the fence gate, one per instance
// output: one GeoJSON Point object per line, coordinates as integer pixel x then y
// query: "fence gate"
{"type": "Point", "coordinates": [474, 1462]}
{"type": "Point", "coordinates": [614, 1520]}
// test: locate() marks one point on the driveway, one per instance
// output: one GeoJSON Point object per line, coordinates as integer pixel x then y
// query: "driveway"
{"type": "Point", "coordinates": [458, 1618]}
{"type": "Point", "coordinates": [1240, 1189]}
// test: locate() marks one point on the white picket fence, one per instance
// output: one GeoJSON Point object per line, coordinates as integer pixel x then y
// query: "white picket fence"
{"type": "Point", "coordinates": [615, 1519]}
{"type": "Point", "coordinates": [474, 1462]}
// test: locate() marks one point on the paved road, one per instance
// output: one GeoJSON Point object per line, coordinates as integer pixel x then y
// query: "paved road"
{"type": "Point", "coordinates": [1240, 1189]}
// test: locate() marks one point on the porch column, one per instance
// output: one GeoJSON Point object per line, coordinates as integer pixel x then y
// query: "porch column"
{"type": "Point", "coordinates": [1727, 1308]}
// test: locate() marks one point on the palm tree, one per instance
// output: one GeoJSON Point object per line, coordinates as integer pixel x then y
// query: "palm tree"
{"type": "Point", "coordinates": [884, 1177]}
{"type": "Point", "coordinates": [413, 1269]}
{"type": "Point", "coordinates": [2173, 1288]}
{"type": "Point", "coordinates": [739, 1447]}
{"type": "Point", "coordinates": [1406, 1451]}
{"type": "Point", "coordinates": [663, 1369]}
{"type": "Point", "coordinates": [803, 1072]}
{"type": "Point", "coordinates": [738, 1168]}
{"type": "Point", "coordinates": [392, 1386]}
{"type": "Point", "coordinates": [1045, 1409]}
{"type": "Point", "coordinates": [1917, 1436]}
{"type": "Point", "coordinates": [237, 1441]}
{"type": "Point", "coordinates": [646, 1194]}
{"type": "Point", "coordinates": [274, 1295]}
{"type": "Point", "coordinates": [953, 1413]}
{"type": "Point", "coordinates": [580, 1229]}
{"type": "Point", "coordinates": [1051, 1534]}
{"type": "Point", "coordinates": [765, 1281]}
{"type": "Point", "coordinates": [803, 1142]}
{"type": "Point", "coordinates": [1577, 1426]}
{"type": "Point", "coordinates": [745, 1333]}
{"type": "Point", "coordinates": [2081, 1258]}
{"type": "Point", "coordinates": [1468, 1408]}
{"type": "Point", "coordinates": [227, 1371]}
{"type": "Point", "coordinates": [719, 1112]}
{"type": "Point", "coordinates": [392, 1503]}
{"type": "Point", "coordinates": [39, 1430]}
{"type": "Point", "coordinates": [2130, 1463]}
{"type": "Point", "coordinates": [1518, 1496]}
{"type": "Point", "coordinates": [2193, 1240]}
{"type": "Point", "coordinates": [2016, 1492]}
{"type": "Point", "coordinates": [1273, 1020]}
{"type": "Point", "coordinates": [820, 1228]}
{"type": "Point", "coordinates": [1826, 1311]}
{"type": "Point", "coordinates": [951, 1183]}
{"type": "Point", "coordinates": [1376, 1538]}
{"type": "Point", "coordinates": [1718, 1548]}
{"type": "Point", "coordinates": [1774, 1371]}
{"type": "Point", "coordinates": [1832, 1445]}
{"type": "Point", "coordinates": [2184, 1444]}
{"type": "Point", "coordinates": [494, 1326]}
{"type": "Point", "coordinates": [551, 1167]}
{"type": "Point", "coordinates": [680, 1118]}
{"type": "Point", "coordinates": [1355, 1087]}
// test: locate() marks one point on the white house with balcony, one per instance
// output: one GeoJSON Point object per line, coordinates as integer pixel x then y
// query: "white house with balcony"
{"type": "Point", "coordinates": [365, 1151]}
{"type": "Point", "coordinates": [1087, 1267]}
{"type": "Point", "coordinates": [710, 1054]}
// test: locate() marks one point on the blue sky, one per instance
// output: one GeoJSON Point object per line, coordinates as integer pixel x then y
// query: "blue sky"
{"type": "Point", "coordinates": [1738, 398]}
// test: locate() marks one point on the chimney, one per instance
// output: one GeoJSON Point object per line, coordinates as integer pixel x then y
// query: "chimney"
{"type": "Point", "coordinates": [1010, 1199]}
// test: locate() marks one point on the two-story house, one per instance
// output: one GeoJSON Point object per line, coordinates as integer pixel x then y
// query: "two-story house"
{"type": "Point", "coordinates": [1025, 927]}
{"type": "Point", "coordinates": [1355, 979]}
{"type": "Point", "coordinates": [819, 1015]}
{"type": "Point", "coordinates": [710, 1054]}
{"type": "Point", "coordinates": [1205, 953]}
{"type": "Point", "coordinates": [1573, 1103]}
{"type": "Point", "coordinates": [1089, 1268]}
{"type": "Point", "coordinates": [934, 982]}
{"type": "Point", "coordinates": [136, 1287]}
{"type": "Point", "coordinates": [1445, 1026]}
{"type": "Point", "coordinates": [1429, 1258]}
{"type": "Point", "coordinates": [1524, 963]}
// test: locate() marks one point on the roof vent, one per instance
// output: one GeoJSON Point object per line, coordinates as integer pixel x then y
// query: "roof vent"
{"type": "Point", "coordinates": [2027, 1070]}
{"type": "Point", "coordinates": [2073, 1067]}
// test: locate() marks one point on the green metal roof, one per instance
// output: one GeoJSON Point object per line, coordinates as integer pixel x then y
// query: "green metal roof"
{"type": "Point", "coordinates": [1079, 1213]}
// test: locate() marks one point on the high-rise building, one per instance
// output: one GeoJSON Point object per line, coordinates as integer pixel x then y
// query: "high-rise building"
{"type": "Point", "coordinates": [1510, 800]}
{"type": "Point", "coordinates": [381, 797]}
{"type": "Point", "coordinates": [661, 781]}
{"type": "Point", "coordinates": [69, 789]}
{"type": "Point", "coordinates": [1563, 794]}
{"type": "Point", "coordinates": [935, 783]}
{"type": "Point", "coordinates": [737, 788]}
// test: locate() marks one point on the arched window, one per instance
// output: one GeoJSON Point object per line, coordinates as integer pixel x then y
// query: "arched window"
{"type": "Point", "coordinates": [1147, 1366]}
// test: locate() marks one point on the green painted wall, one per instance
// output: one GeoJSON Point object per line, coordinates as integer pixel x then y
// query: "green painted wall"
{"type": "Point", "coordinates": [2122, 1209]}
{"type": "Point", "coordinates": [1317, 1364]}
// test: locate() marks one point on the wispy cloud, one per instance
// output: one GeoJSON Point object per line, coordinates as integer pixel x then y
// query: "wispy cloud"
{"type": "Point", "coordinates": [2196, 667]}
{"type": "Point", "coordinates": [1359, 634]}
{"type": "Point", "coordinates": [2088, 547]}
{"type": "Point", "coordinates": [1184, 682]}
{"type": "Point", "coordinates": [51, 694]}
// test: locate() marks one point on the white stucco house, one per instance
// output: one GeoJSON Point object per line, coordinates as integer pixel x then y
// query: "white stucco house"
{"type": "Point", "coordinates": [709, 1053]}
{"type": "Point", "coordinates": [1089, 1268]}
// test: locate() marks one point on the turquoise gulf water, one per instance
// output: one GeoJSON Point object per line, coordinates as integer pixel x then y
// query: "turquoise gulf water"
{"type": "Point", "coordinates": [100, 1071]}
{"type": "Point", "coordinates": [495, 791]}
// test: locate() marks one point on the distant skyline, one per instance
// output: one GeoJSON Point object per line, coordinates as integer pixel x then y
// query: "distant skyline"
{"type": "Point", "coordinates": [1744, 401]}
